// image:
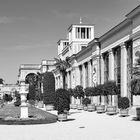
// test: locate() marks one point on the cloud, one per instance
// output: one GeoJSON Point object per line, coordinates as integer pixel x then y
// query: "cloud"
{"type": "Point", "coordinates": [66, 15]}
{"type": "Point", "coordinates": [5, 19]}
{"type": "Point", "coordinates": [30, 46]}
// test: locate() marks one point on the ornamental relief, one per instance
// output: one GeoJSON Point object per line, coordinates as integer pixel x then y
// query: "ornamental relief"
{"type": "Point", "coordinates": [136, 43]}
{"type": "Point", "coordinates": [94, 75]}
{"type": "Point", "coordinates": [136, 53]}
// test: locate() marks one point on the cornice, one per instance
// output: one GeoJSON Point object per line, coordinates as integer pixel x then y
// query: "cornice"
{"type": "Point", "coordinates": [115, 29]}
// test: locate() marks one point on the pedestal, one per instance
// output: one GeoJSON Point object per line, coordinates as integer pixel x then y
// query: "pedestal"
{"type": "Point", "coordinates": [23, 106]}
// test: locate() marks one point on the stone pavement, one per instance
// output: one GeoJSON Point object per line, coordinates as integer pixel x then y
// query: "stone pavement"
{"type": "Point", "coordinates": [81, 125]}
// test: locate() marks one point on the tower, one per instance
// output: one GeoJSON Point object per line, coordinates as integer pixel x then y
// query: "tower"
{"type": "Point", "coordinates": [79, 36]}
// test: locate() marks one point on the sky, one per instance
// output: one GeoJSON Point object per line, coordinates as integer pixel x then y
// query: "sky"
{"type": "Point", "coordinates": [30, 29]}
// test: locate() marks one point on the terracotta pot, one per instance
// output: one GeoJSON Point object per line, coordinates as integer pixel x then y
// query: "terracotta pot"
{"type": "Point", "coordinates": [85, 108]}
{"type": "Point", "coordinates": [79, 107]}
{"type": "Point", "coordinates": [124, 112]}
{"type": "Point", "coordinates": [100, 108]}
{"type": "Point", "coordinates": [62, 117]}
{"type": "Point", "coordinates": [73, 106]}
{"type": "Point", "coordinates": [40, 104]}
{"type": "Point", "coordinates": [91, 107]}
{"type": "Point", "coordinates": [111, 110]}
{"type": "Point", "coordinates": [49, 107]}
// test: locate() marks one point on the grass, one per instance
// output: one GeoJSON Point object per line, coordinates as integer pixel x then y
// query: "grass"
{"type": "Point", "coordinates": [10, 114]}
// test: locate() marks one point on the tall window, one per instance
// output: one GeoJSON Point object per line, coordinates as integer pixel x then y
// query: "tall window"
{"type": "Point", "coordinates": [70, 79]}
{"type": "Point", "coordinates": [86, 74]}
{"type": "Point", "coordinates": [83, 33]}
{"type": "Point", "coordinates": [106, 67]}
{"type": "Point", "coordinates": [117, 65]}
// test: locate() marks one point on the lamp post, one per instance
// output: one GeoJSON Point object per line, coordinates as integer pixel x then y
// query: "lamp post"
{"type": "Point", "coordinates": [24, 88]}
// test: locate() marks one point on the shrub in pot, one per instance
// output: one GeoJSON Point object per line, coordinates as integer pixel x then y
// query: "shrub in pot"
{"type": "Point", "coordinates": [85, 102]}
{"type": "Point", "coordinates": [110, 88]}
{"type": "Point", "coordinates": [39, 99]}
{"type": "Point", "coordinates": [62, 103]}
{"type": "Point", "coordinates": [123, 105]}
{"type": "Point", "coordinates": [71, 93]}
{"type": "Point", "coordinates": [100, 92]}
{"type": "Point", "coordinates": [135, 91]}
{"type": "Point", "coordinates": [49, 90]}
{"type": "Point", "coordinates": [79, 92]}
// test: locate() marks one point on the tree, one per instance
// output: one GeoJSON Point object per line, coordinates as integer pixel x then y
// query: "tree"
{"type": "Point", "coordinates": [49, 88]}
{"type": "Point", "coordinates": [18, 99]}
{"type": "Point", "coordinates": [62, 100]}
{"type": "Point", "coordinates": [78, 90]}
{"type": "Point", "coordinates": [39, 80]}
{"type": "Point", "coordinates": [1, 81]}
{"type": "Point", "coordinates": [62, 65]}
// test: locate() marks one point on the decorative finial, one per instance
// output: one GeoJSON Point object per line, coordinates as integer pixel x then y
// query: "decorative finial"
{"type": "Point", "coordinates": [80, 20]}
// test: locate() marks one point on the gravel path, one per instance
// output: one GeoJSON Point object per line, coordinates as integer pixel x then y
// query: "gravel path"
{"type": "Point", "coordinates": [80, 126]}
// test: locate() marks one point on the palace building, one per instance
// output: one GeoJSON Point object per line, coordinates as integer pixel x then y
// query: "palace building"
{"type": "Point", "coordinates": [97, 60]}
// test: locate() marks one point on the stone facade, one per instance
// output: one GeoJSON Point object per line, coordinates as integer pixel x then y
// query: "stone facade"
{"type": "Point", "coordinates": [109, 57]}
{"type": "Point", "coordinates": [26, 69]}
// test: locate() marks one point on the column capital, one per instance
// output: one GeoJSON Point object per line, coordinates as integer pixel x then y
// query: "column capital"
{"type": "Point", "coordinates": [122, 45]}
{"type": "Point", "coordinates": [110, 51]}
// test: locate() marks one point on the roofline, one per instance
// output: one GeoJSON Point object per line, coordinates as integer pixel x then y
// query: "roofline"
{"type": "Point", "coordinates": [80, 25]}
{"type": "Point", "coordinates": [133, 12]}
{"type": "Point", "coordinates": [61, 40]}
{"type": "Point", "coordinates": [114, 29]}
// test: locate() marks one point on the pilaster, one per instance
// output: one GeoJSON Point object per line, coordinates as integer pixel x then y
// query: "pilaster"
{"type": "Point", "coordinates": [84, 73]}
{"type": "Point", "coordinates": [102, 69]}
{"type": "Point", "coordinates": [90, 74]}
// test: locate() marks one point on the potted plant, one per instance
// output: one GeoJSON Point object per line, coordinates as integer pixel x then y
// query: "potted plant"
{"type": "Point", "coordinates": [39, 98]}
{"type": "Point", "coordinates": [99, 92]}
{"type": "Point", "coordinates": [71, 93]}
{"type": "Point", "coordinates": [123, 105]}
{"type": "Point", "coordinates": [62, 103]}
{"type": "Point", "coordinates": [135, 91]}
{"type": "Point", "coordinates": [88, 93]}
{"type": "Point", "coordinates": [79, 93]}
{"type": "Point", "coordinates": [111, 89]}
{"type": "Point", "coordinates": [85, 102]}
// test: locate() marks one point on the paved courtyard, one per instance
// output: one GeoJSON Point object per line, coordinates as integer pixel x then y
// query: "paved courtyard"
{"type": "Point", "coordinates": [80, 126]}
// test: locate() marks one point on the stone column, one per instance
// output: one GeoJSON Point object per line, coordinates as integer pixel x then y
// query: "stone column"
{"type": "Point", "coordinates": [123, 70]}
{"type": "Point", "coordinates": [84, 74]}
{"type": "Point", "coordinates": [24, 88]}
{"type": "Point", "coordinates": [102, 69]}
{"type": "Point", "coordinates": [98, 70]}
{"type": "Point", "coordinates": [111, 65]}
{"type": "Point", "coordinates": [111, 73]}
{"type": "Point", "coordinates": [77, 76]}
{"type": "Point", "coordinates": [89, 74]}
